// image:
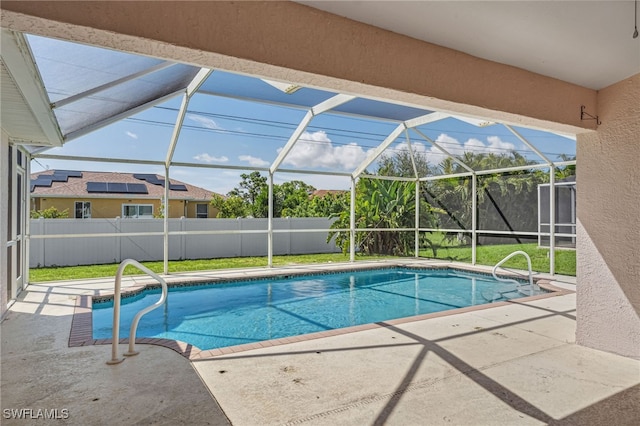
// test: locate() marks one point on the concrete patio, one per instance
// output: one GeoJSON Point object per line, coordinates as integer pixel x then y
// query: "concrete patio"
{"type": "Point", "coordinates": [515, 364]}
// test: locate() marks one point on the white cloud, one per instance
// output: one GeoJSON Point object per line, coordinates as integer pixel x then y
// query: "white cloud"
{"type": "Point", "coordinates": [210, 158]}
{"type": "Point", "coordinates": [253, 161]}
{"type": "Point", "coordinates": [204, 121]}
{"type": "Point", "coordinates": [316, 149]}
{"type": "Point", "coordinates": [131, 135]}
{"type": "Point", "coordinates": [494, 145]}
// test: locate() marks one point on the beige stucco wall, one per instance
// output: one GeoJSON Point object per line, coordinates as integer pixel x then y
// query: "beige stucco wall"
{"type": "Point", "coordinates": [110, 208]}
{"type": "Point", "coordinates": [191, 210]}
{"type": "Point", "coordinates": [608, 246]}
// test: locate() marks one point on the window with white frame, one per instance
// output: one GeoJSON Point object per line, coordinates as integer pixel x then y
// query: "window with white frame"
{"type": "Point", "coordinates": [83, 210]}
{"type": "Point", "coordinates": [137, 211]}
{"type": "Point", "coordinates": [202, 211]}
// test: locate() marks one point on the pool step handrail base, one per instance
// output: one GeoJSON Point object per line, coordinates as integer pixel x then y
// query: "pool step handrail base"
{"type": "Point", "coordinates": [116, 310]}
{"type": "Point", "coordinates": [519, 285]}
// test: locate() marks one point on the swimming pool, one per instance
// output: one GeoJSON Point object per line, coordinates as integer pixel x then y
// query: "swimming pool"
{"type": "Point", "coordinates": [212, 316]}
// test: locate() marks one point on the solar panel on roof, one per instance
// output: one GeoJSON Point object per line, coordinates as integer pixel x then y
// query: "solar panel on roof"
{"type": "Point", "coordinates": [177, 187]}
{"type": "Point", "coordinates": [117, 187]}
{"type": "Point", "coordinates": [137, 188]}
{"type": "Point", "coordinates": [59, 178]}
{"type": "Point", "coordinates": [68, 173]}
{"type": "Point", "coordinates": [144, 176]}
{"type": "Point", "coordinates": [156, 181]}
{"type": "Point", "coordinates": [153, 179]}
{"type": "Point", "coordinates": [96, 186]}
{"type": "Point", "coordinates": [42, 181]}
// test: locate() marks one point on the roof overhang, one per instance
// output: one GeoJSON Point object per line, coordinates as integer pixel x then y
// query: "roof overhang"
{"type": "Point", "coordinates": [26, 113]}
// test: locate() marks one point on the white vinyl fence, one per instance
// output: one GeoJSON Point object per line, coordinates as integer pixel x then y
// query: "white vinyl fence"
{"type": "Point", "coordinates": [95, 249]}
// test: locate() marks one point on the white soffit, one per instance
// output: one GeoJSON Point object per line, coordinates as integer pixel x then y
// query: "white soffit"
{"type": "Point", "coordinates": [585, 42]}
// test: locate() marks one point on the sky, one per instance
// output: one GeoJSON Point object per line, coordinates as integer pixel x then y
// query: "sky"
{"type": "Point", "coordinates": [219, 130]}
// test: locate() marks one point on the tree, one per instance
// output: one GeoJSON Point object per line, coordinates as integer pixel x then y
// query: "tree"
{"type": "Point", "coordinates": [401, 164]}
{"type": "Point", "coordinates": [50, 213]}
{"type": "Point", "coordinates": [252, 191]}
{"type": "Point", "coordinates": [382, 204]}
{"type": "Point", "coordinates": [290, 199]}
{"type": "Point", "coordinates": [232, 206]}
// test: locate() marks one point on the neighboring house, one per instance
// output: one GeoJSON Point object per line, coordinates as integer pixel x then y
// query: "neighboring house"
{"type": "Point", "coordinates": [323, 192]}
{"type": "Point", "coordinates": [111, 194]}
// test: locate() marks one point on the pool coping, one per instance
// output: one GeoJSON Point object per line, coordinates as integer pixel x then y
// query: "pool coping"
{"type": "Point", "coordinates": [81, 333]}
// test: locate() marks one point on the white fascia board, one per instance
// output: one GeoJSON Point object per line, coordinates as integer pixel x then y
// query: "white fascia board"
{"type": "Point", "coordinates": [19, 62]}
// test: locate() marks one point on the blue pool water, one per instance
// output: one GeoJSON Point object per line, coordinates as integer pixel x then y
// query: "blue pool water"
{"type": "Point", "coordinates": [218, 315]}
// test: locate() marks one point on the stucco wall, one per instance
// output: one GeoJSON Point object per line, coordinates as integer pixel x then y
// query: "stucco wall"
{"type": "Point", "coordinates": [111, 208]}
{"type": "Point", "coordinates": [191, 210]}
{"type": "Point", "coordinates": [608, 206]}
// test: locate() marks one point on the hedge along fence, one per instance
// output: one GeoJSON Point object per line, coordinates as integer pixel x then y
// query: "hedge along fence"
{"type": "Point", "coordinates": [93, 249]}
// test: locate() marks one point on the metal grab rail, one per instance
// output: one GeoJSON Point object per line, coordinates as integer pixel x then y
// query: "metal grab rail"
{"type": "Point", "coordinates": [531, 285]}
{"type": "Point", "coordinates": [116, 310]}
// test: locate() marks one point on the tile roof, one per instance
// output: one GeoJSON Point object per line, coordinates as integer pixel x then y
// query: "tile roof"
{"type": "Point", "coordinates": [77, 187]}
{"type": "Point", "coordinates": [323, 192]}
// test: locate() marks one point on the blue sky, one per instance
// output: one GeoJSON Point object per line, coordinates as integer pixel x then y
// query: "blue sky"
{"type": "Point", "coordinates": [219, 130]}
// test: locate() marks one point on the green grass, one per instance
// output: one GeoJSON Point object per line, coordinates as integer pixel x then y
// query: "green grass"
{"type": "Point", "coordinates": [109, 270]}
{"type": "Point", "coordinates": [486, 255]}
{"type": "Point", "coordinates": [490, 255]}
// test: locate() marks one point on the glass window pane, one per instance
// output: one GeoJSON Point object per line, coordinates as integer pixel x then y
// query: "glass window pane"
{"type": "Point", "coordinates": [145, 211]}
{"type": "Point", "coordinates": [78, 210]}
{"type": "Point", "coordinates": [202, 211]}
{"type": "Point", "coordinates": [129, 211]}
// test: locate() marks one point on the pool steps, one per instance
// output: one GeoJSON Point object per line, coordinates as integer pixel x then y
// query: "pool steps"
{"type": "Point", "coordinates": [518, 287]}
{"type": "Point", "coordinates": [116, 310]}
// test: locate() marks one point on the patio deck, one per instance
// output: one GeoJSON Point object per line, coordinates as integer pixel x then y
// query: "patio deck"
{"type": "Point", "coordinates": [514, 364]}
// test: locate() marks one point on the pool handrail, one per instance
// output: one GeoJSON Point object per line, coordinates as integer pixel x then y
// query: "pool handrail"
{"type": "Point", "coordinates": [495, 268]}
{"type": "Point", "coordinates": [116, 310]}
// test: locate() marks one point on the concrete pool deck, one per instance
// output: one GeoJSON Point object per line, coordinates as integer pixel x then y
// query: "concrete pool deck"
{"type": "Point", "coordinates": [514, 364]}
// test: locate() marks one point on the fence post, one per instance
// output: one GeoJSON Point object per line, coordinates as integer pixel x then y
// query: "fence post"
{"type": "Point", "coordinates": [118, 241]}
{"type": "Point", "coordinates": [183, 242]}
{"type": "Point", "coordinates": [289, 235]}
{"type": "Point", "coordinates": [240, 236]}
{"type": "Point", "coordinates": [42, 242]}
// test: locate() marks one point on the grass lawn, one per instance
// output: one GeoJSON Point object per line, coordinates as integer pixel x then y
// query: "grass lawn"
{"type": "Point", "coordinates": [490, 255]}
{"type": "Point", "coordinates": [487, 255]}
{"type": "Point", "coordinates": [109, 270]}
